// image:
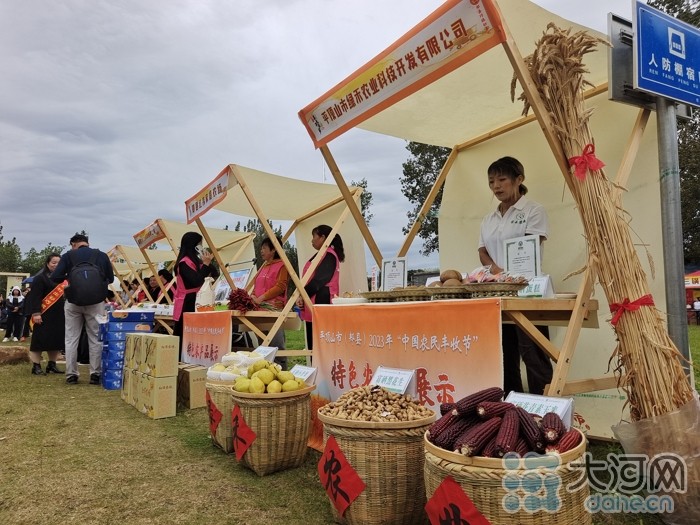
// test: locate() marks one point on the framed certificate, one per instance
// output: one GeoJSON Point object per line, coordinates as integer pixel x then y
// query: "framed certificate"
{"type": "Point", "coordinates": [394, 273]}
{"type": "Point", "coordinates": [523, 256]}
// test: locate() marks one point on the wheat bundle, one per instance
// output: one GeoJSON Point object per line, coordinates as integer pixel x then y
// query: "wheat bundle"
{"type": "Point", "coordinates": [654, 379]}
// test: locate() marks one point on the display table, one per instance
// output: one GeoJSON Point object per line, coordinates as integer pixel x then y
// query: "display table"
{"type": "Point", "coordinates": [455, 343]}
{"type": "Point", "coordinates": [260, 321]}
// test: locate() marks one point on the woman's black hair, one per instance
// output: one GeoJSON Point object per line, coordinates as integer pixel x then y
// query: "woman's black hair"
{"type": "Point", "coordinates": [188, 248]}
{"type": "Point", "coordinates": [166, 275]}
{"type": "Point", "coordinates": [324, 230]}
{"type": "Point", "coordinates": [510, 167]}
{"type": "Point", "coordinates": [267, 242]}
{"type": "Point", "coordinates": [49, 257]}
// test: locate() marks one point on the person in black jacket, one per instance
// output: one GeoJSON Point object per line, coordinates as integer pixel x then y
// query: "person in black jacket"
{"type": "Point", "coordinates": [325, 281]}
{"type": "Point", "coordinates": [79, 316]}
{"type": "Point", "coordinates": [15, 315]}
{"type": "Point", "coordinates": [44, 303]}
{"type": "Point", "coordinates": [192, 266]}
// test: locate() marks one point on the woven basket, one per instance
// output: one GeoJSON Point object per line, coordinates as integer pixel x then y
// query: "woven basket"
{"type": "Point", "coordinates": [220, 394]}
{"type": "Point", "coordinates": [378, 297]}
{"type": "Point", "coordinates": [389, 459]}
{"type": "Point", "coordinates": [449, 292]}
{"type": "Point", "coordinates": [494, 289]}
{"type": "Point", "coordinates": [282, 423]}
{"type": "Point", "coordinates": [411, 294]}
{"type": "Point", "coordinates": [482, 479]}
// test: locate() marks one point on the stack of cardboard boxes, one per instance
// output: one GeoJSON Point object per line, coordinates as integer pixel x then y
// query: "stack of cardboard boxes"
{"type": "Point", "coordinates": [149, 378]}
{"type": "Point", "coordinates": [113, 333]}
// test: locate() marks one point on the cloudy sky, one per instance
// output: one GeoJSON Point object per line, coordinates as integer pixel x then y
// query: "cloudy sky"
{"type": "Point", "coordinates": [114, 112]}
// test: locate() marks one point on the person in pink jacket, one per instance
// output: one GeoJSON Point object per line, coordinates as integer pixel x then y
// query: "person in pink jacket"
{"type": "Point", "coordinates": [325, 281]}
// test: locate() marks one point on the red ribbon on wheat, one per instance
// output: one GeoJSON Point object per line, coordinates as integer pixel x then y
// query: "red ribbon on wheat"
{"type": "Point", "coordinates": [586, 161]}
{"type": "Point", "coordinates": [617, 309]}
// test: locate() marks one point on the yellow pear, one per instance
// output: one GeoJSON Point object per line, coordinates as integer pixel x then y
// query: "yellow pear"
{"type": "Point", "coordinates": [265, 375]}
{"type": "Point", "coordinates": [242, 384]}
{"type": "Point", "coordinates": [259, 365]}
{"type": "Point", "coordinates": [274, 368]}
{"type": "Point", "coordinates": [274, 387]}
{"type": "Point", "coordinates": [219, 367]}
{"type": "Point", "coordinates": [284, 376]}
{"type": "Point", "coordinates": [256, 386]}
{"type": "Point", "coordinates": [300, 382]}
{"type": "Point", "coordinates": [290, 386]}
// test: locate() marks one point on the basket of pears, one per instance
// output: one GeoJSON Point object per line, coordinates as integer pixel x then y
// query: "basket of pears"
{"type": "Point", "coordinates": [276, 406]}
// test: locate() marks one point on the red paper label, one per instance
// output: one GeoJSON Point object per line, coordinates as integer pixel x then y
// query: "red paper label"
{"type": "Point", "coordinates": [215, 415]}
{"type": "Point", "coordinates": [342, 483]}
{"type": "Point", "coordinates": [242, 435]}
{"type": "Point", "coordinates": [451, 506]}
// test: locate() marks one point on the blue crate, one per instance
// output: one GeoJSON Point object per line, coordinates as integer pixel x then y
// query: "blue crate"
{"type": "Point", "coordinates": [119, 346]}
{"type": "Point", "coordinates": [131, 316]}
{"type": "Point", "coordinates": [111, 375]}
{"type": "Point", "coordinates": [112, 384]}
{"type": "Point", "coordinates": [112, 354]}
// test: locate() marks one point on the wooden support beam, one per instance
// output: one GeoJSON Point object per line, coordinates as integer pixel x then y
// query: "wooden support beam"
{"type": "Point", "coordinates": [561, 370]}
{"type": "Point", "coordinates": [530, 329]}
{"type": "Point", "coordinates": [425, 208]}
{"type": "Point", "coordinates": [523, 75]}
{"type": "Point", "coordinates": [501, 130]}
{"type": "Point", "coordinates": [590, 385]}
{"type": "Point", "coordinates": [631, 151]}
{"type": "Point", "coordinates": [352, 205]}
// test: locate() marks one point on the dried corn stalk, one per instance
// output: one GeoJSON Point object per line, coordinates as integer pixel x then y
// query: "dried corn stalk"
{"type": "Point", "coordinates": [655, 381]}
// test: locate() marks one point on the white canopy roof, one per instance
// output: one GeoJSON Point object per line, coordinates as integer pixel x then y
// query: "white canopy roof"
{"type": "Point", "coordinates": [281, 198]}
{"type": "Point", "coordinates": [474, 98]}
{"type": "Point", "coordinates": [120, 254]}
{"type": "Point", "coordinates": [308, 204]}
{"type": "Point", "coordinates": [227, 242]}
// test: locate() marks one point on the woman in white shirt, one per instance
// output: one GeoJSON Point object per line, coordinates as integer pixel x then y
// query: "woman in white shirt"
{"type": "Point", "coordinates": [515, 216]}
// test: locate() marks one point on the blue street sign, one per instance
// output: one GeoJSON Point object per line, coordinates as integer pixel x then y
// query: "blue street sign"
{"type": "Point", "coordinates": [666, 55]}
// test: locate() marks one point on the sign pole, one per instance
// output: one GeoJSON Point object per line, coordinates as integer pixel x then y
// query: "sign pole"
{"type": "Point", "coordinates": [672, 228]}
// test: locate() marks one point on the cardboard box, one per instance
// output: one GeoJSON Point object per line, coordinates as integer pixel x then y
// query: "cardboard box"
{"type": "Point", "coordinates": [157, 396]}
{"type": "Point", "coordinates": [166, 310]}
{"type": "Point", "coordinates": [160, 355]}
{"type": "Point", "coordinates": [191, 386]}
{"type": "Point", "coordinates": [126, 385]}
{"type": "Point", "coordinates": [133, 356]}
{"type": "Point", "coordinates": [131, 316]}
{"type": "Point", "coordinates": [134, 387]}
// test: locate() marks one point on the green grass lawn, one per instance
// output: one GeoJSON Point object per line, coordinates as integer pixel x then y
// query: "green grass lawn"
{"type": "Point", "coordinates": [79, 454]}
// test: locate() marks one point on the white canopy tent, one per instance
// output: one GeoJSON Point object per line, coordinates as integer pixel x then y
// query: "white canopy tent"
{"type": "Point", "coordinates": [130, 263]}
{"type": "Point", "coordinates": [469, 109]}
{"type": "Point", "coordinates": [229, 247]}
{"type": "Point", "coordinates": [252, 193]}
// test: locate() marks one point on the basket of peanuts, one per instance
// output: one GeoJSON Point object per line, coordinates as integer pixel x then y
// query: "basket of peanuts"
{"type": "Point", "coordinates": [515, 466]}
{"type": "Point", "coordinates": [380, 433]}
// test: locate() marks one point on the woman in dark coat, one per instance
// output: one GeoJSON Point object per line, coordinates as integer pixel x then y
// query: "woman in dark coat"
{"type": "Point", "coordinates": [192, 266]}
{"type": "Point", "coordinates": [45, 304]}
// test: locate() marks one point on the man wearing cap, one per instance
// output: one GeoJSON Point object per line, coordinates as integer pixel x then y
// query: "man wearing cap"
{"type": "Point", "coordinates": [77, 316]}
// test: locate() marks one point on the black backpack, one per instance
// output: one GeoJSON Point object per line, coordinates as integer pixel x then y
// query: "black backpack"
{"type": "Point", "coordinates": [86, 281]}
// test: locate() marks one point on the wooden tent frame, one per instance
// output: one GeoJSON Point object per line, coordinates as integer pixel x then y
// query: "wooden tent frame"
{"type": "Point", "coordinates": [256, 321]}
{"type": "Point", "coordinates": [541, 309]}
{"type": "Point", "coordinates": [137, 274]}
{"type": "Point", "coordinates": [143, 244]}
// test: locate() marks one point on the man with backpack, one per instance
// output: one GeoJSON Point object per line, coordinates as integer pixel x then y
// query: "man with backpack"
{"type": "Point", "coordinates": [89, 273]}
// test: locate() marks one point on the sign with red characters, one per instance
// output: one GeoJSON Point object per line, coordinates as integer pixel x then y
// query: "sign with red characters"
{"type": "Point", "coordinates": [342, 483]}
